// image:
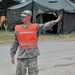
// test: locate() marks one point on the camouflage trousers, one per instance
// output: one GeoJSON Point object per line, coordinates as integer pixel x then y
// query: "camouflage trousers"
{"type": "Point", "coordinates": [25, 65]}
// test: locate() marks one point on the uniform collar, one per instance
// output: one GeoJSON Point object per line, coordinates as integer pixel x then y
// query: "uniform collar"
{"type": "Point", "coordinates": [26, 26]}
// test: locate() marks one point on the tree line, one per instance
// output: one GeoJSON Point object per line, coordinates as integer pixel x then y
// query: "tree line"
{"type": "Point", "coordinates": [4, 4]}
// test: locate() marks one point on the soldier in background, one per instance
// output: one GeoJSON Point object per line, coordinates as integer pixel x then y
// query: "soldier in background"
{"type": "Point", "coordinates": [26, 36]}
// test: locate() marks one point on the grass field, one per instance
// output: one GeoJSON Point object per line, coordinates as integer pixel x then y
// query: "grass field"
{"type": "Point", "coordinates": [8, 37]}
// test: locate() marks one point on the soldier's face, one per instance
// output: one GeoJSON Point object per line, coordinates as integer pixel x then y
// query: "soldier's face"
{"type": "Point", "coordinates": [26, 19]}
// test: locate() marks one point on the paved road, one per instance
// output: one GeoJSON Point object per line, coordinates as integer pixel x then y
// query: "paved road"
{"type": "Point", "coordinates": [57, 58]}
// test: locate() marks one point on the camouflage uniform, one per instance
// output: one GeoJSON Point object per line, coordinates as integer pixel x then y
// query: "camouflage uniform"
{"type": "Point", "coordinates": [28, 57]}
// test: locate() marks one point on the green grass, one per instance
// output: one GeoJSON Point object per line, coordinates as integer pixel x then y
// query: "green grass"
{"type": "Point", "coordinates": [57, 37]}
{"type": "Point", "coordinates": [8, 37]}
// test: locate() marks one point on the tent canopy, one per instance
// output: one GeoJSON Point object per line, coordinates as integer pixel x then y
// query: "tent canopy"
{"type": "Point", "coordinates": [49, 4]}
{"type": "Point", "coordinates": [38, 7]}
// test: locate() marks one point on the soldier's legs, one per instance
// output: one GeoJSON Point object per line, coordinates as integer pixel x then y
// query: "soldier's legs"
{"type": "Point", "coordinates": [33, 66]}
{"type": "Point", "coordinates": [21, 67]}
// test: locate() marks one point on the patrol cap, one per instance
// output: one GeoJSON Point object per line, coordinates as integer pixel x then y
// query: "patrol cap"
{"type": "Point", "coordinates": [26, 13]}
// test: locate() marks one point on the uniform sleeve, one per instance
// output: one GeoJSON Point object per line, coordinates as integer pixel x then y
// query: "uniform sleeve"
{"type": "Point", "coordinates": [14, 47]}
{"type": "Point", "coordinates": [47, 25]}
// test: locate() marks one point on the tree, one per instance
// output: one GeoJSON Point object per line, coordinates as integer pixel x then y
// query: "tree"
{"type": "Point", "coordinates": [4, 4]}
{"type": "Point", "coordinates": [8, 3]}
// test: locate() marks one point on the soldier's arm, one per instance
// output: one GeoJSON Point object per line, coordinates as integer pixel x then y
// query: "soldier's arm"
{"type": "Point", "coordinates": [13, 49]}
{"type": "Point", "coordinates": [49, 25]}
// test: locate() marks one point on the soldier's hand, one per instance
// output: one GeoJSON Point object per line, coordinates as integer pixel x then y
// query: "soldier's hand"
{"type": "Point", "coordinates": [12, 60]}
{"type": "Point", "coordinates": [58, 19]}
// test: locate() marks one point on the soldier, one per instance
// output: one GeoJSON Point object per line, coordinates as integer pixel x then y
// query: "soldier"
{"type": "Point", "coordinates": [26, 36]}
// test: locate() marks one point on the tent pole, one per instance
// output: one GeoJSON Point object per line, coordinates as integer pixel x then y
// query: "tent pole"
{"type": "Point", "coordinates": [62, 21]}
{"type": "Point", "coordinates": [32, 9]}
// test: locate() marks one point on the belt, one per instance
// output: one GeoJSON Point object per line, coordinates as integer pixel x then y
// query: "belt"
{"type": "Point", "coordinates": [28, 48]}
